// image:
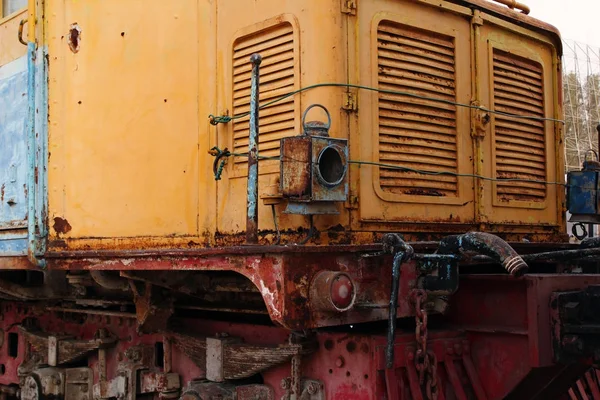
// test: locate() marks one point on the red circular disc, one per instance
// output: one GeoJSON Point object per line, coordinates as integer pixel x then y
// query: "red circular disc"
{"type": "Point", "coordinates": [342, 292]}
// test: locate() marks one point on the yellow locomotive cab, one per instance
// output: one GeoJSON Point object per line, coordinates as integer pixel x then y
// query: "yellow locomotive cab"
{"type": "Point", "coordinates": [431, 87]}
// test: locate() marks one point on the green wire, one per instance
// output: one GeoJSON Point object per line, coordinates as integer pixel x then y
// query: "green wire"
{"type": "Point", "coordinates": [449, 173]}
{"type": "Point", "coordinates": [217, 119]}
{"type": "Point", "coordinates": [225, 119]}
{"type": "Point", "coordinates": [424, 172]}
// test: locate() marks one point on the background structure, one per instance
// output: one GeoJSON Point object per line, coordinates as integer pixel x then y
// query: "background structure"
{"type": "Point", "coordinates": [581, 85]}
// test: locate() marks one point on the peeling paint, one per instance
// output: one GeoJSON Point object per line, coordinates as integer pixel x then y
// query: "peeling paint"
{"type": "Point", "coordinates": [270, 299]}
{"type": "Point", "coordinates": [13, 166]}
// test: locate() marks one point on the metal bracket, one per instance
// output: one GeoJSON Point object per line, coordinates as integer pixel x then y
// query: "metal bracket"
{"type": "Point", "coordinates": [115, 388]}
{"type": "Point", "coordinates": [321, 208]}
{"type": "Point", "coordinates": [576, 324]}
{"type": "Point", "coordinates": [63, 350]}
{"type": "Point", "coordinates": [480, 119]}
{"type": "Point", "coordinates": [441, 273]}
{"type": "Point", "coordinates": [78, 383]}
{"type": "Point", "coordinates": [349, 7]}
{"type": "Point", "coordinates": [152, 309]}
{"type": "Point", "coordinates": [215, 358]}
{"type": "Point", "coordinates": [477, 20]}
{"type": "Point", "coordinates": [350, 100]}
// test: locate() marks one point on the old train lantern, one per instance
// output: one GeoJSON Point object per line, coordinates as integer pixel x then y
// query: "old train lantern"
{"type": "Point", "coordinates": [314, 168]}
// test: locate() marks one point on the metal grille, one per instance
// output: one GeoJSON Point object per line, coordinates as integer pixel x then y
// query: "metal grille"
{"type": "Point", "coordinates": [520, 143]}
{"type": "Point", "coordinates": [416, 133]}
{"type": "Point", "coordinates": [276, 46]}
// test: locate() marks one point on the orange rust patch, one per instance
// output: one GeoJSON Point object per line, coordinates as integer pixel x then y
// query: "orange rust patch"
{"type": "Point", "coordinates": [61, 225]}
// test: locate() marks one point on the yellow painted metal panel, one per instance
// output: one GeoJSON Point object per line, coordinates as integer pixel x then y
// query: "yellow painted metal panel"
{"type": "Point", "coordinates": [517, 76]}
{"type": "Point", "coordinates": [124, 118]}
{"type": "Point", "coordinates": [319, 56]}
{"type": "Point", "coordinates": [132, 84]}
{"type": "Point", "coordinates": [10, 48]}
{"type": "Point", "coordinates": [414, 48]}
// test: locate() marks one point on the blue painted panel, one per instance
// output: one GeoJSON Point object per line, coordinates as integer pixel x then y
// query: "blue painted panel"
{"type": "Point", "coordinates": [13, 244]}
{"type": "Point", "coordinates": [13, 149]}
{"type": "Point", "coordinates": [582, 192]}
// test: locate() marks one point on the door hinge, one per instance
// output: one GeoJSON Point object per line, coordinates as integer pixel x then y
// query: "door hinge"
{"type": "Point", "coordinates": [350, 100]}
{"type": "Point", "coordinates": [349, 7]}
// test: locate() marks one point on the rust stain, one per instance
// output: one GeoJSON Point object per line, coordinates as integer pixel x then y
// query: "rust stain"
{"type": "Point", "coordinates": [61, 225]}
{"type": "Point", "coordinates": [2, 192]}
{"type": "Point", "coordinates": [295, 164]}
{"type": "Point", "coordinates": [74, 37]}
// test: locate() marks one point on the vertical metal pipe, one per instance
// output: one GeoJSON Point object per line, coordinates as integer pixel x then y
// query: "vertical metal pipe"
{"type": "Point", "coordinates": [31, 150]}
{"type": "Point", "coordinates": [252, 201]}
{"type": "Point", "coordinates": [393, 309]}
{"type": "Point", "coordinates": [402, 251]}
{"type": "Point", "coordinates": [34, 229]}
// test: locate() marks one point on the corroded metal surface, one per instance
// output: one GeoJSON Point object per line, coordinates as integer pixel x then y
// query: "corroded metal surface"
{"type": "Point", "coordinates": [59, 350]}
{"type": "Point", "coordinates": [153, 309]}
{"type": "Point", "coordinates": [252, 197]}
{"type": "Point", "coordinates": [514, 330]}
{"type": "Point", "coordinates": [295, 167]}
{"type": "Point", "coordinates": [283, 281]}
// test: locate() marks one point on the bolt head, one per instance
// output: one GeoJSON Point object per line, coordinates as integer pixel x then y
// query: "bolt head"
{"type": "Point", "coordinates": [285, 383]}
{"type": "Point", "coordinates": [339, 362]}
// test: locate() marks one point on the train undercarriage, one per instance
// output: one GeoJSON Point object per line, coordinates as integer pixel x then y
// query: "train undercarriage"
{"type": "Point", "coordinates": [295, 322]}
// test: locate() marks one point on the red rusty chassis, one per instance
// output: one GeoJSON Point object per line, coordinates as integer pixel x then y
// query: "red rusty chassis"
{"type": "Point", "coordinates": [282, 274]}
{"type": "Point", "coordinates": [495, 339]}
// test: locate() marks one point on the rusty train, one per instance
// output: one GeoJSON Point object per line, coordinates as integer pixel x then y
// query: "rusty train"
{"type": "Point", "coordinates": [298, 200]}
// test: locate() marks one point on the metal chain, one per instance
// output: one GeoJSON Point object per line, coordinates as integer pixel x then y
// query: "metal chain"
{"type": "Point", "coordinates": [425, 361]}
{"type": "Point", "coordinates": [432, 380]}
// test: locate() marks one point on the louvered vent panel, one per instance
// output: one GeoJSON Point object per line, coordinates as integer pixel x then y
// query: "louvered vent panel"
{"type": "Point", "coordinates": [520, 143]}
{"type": "Point", "coordinates": [416, 133]}
{"type": "Point", "coordinates": [276, 46]}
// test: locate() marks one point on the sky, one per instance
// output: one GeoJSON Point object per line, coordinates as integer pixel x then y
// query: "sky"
{"type": "Point", "coordinates": [576, 19]}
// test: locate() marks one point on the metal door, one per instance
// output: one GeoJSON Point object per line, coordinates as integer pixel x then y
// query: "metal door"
{"type": "Point", "coordinates": [13, 134]}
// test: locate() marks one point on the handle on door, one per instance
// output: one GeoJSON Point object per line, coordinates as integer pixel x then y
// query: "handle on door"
{"type": "Point", "coordinates": [20, 35]}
